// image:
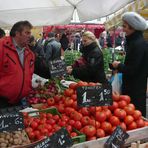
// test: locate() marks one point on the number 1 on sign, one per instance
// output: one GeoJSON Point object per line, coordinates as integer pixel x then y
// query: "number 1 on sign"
{"type": "Point", "coordinates": [84, 98]}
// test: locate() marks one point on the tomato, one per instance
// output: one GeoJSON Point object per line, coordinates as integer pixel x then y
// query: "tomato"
{"type": "Point", "coordinates": [92, 110]}
{"type": "Point", "coordinates": [128, 119]}
{"type": "Point", "coordinates": [106, 126]}
{"type": "Point", "coordinates": [56, 118]}
{"type": "Point", "coordinates": [89, 130]}
{"type": "Point", "coordinates": [65, 118]}
{"type": "Point", "coordinates": [92, 84]}
{"type": "Point", "coordinates": [31, 135]}
{"type": "Point", "coordinates": [62, 123]}
{"type": "Point", "coordinates": [108, 113]}
{"type": "Point", "coordinates": [137, 114]}
{"type": "Point", "coordinates": [114, 106]}
{"type": "Point", "coordinates": [68, 92]}
{"type": "Point", "coordinates": [78, 125]}
{"type": "Point", "coordinates": [100, 133]}
{"type": "Point", "coordinates": [72, 122]}
{"type": "Point", "coordinates": [115, 96]}
{"type": "Point", "coordinates": [68, 110]}
{"type": "Point", "coordinates": [140, 123]}
{"type": "Point", "coordinates": [129, 110]}
{"type": "Point", "coordinates": [123, 126]}
{"type": "Point", "coordinates": [73, 134]}
{"type": "Point", "coordinates": [98, 108]}
{"type": "Point", "coordinates": [75, 105]}
{"type": "Point", "coordinates": [57, 98]}
{"type": "Point", "coordinates": [76, 116]}
{"type": "Point", "coordinates": [50, 101]}
{"type": "Point", "coordinates": [145, 123]}
{"type": "Point", "coordinates": [114, 120]}
{"type": "Point", "coordinates": [51, 121]}
{"type": "Point", "coordinates": [49, 127]}
{"type": "Point", "coordinates": [81, 83]}
{"type": "Point", "coordinates": [85, 120]}
{"type": "Point", "coordinates": [73, 86]}
{"type": "Point", "coordinates": [132, 105]}
{"type": "Point", "coordinates": [132, 126]}
{"type": "Point", "coordinates": [91, 138]}
{"type": "Point", "coordinates": [85, 111]}
{"type": "Point", "coordinates": [28, 129]}
{"type": "Point", "coordinates": [100, 116]}
{"type": "Point", "coordinates": [120, 113]}
{"type": "Point", "coordinates": [37, 133]}
{"type": "Point", "coordinates": [25, 114]}
{"type": "Point", "coordinates": [125, 98]}
{"type": "Point", "coordinates": [122, 104]}
{"type": "Point", "coordinates": [34, 124]}
{"type": "Point", "coordinates": [49, 115]}
{"type": "Point", "coordinates": [61, 108]}
{"type": "Point", "coordinates": [74, 97]}
{"type": "Point", "coordinates": [69, 128]}
{"type": "Point", "coordinates": [68, 102]}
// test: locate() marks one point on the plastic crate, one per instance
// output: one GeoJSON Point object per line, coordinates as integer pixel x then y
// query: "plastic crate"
{"type": "Point", "coordinates": [80, 138]}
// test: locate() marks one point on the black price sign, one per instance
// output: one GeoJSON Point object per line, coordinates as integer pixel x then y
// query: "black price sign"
{"type": "Point", "coordinates": [45, 143]}
{"type": "Point", "coordinates": [61, 139]}
{"type": "Point", "coordinates": [117, 139]}
{"type": "Point", "coordinates": [11, 122]}
{"type": "Point", "coordinates": [94, 96]}
{"type": "Point", "coordinates": [57, 68]}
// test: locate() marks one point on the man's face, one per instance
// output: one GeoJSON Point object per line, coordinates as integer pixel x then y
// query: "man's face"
{"type": "Point", "coordinates": [24, 36]}
{"type": "Point", "coordinates": [127, 29]}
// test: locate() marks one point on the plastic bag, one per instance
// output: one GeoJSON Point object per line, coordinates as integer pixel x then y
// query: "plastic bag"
{"type": "Point", "coordinates": [117, 83]}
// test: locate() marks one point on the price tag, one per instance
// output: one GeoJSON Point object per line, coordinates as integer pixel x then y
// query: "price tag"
{"type": "Point", "coordinates": [11, 122]}
{"type": "Point", "coordinates": [57, 68]}
{"type": "Point", "coordinates": [61, 139]}
{"type": "Point", "coordinates": [93, 96]}
{"type": "Point", "coordinates": [45, 143]}
{"type": "Point", "coordinates": [117, 139]}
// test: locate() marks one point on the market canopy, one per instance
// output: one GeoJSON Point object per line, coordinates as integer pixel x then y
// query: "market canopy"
{"type": "Point", "coordinates": [140, 6]}
{"type": "Point", "coordinates": [52, 12]}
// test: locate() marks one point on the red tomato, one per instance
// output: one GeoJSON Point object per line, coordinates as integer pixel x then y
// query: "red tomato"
{"type": "Point", "coordinates": [114, 120]}
{"type": "Point", "coordinates": [31, 135]}
{"type": "Point", "coordinates": [123, 126]}
{"type": "Point", "coordinates": [100, 133]}
{"type": "Point", "coordinates": [98, 108]}
{"type": "Point", "coordinates": [78, 125]}
{"type": "Point", "coordinates": [125, 98]}
{"type": "Point", "coordinates": [145, 123]}
{"type": "Point", "coordinates": [122, 104]}
{"type": "Point", "coordinates": [68, 102]}
{"type": "Point", "coordinates": [137, 114]}
{"type": "Point", "coordinates": [37, 133]}
{"type": "Point", "coordinates": [92, 84]}
{"type": "Point", "coordinates": [34, 124]}
{"type": "Point", "coordinates": [132, 105]}
{"type": "Point", "coordinates": [61, 108]}
{"type": "Point", "coordinates": [140, 123]}
{"type": "Point", "coordinates": [128, 119]}
{"type": "Point", "coordinates": [68, 92]}
{"type": "Point", "coordinates": [69, 128]}
{"type": "Point", "coordinates": [81, 83]}
{"type": "Point", "coordinates": [65, 118]}
{"type": "Point", "coordinates": [129, 110]}
{"type": "Point", "coordinates": [57, 98]}
{"type": "Point", "coordinates": [100, 116]}
{"type": "Point", "coordinates": [114, 106]}
{"type": "Point", "coordinates": [74, 97]}
{"type": "Point", "coordinates": [89, 130]}
{"type": "Point", "coordinates": [92, 110]}
{"type": "Point", "coordinates": [62, 123]}
{"type": "Point", "coordinates": [106, 126]}
{"type": "Point", "coordinates": [56, 118]}
{"type": "Point", "coordinates": [75, 105]}
{"type": "Point", "coordinates": [28, 129]}
{"type": "Point", "coordinates": [85, 120]}
{"type": "Point", "coordinates": [115, 96]}
{"type": "Point", "coordinates": [73, 86]}
{"type": "Point", "coordinates": [108, 113]}
{"type": "Point", "coordinates": [91, 138]}
{"type": "Point", "coordinates": [50, 101]}
{"type": "Point", "coordinates": [132, 126]}
{"type": "Point", "coordinates": [85, 111]}
{"type": "Point", "coordinates": [120, 113]}
{"type": "Point", "coordinates": [72, 122]}
{"type": "Point", "coordinates": [73, 134]}
{"type": "Point", "coordinates": [68, 110]}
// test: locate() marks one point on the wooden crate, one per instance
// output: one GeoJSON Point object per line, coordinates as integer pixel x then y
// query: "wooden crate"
{"type": "Point", "coordinates": [140, 134]}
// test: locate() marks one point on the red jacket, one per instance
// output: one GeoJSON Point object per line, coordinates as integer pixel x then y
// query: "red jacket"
{"type": "Point", "coordinates": [15, 80]}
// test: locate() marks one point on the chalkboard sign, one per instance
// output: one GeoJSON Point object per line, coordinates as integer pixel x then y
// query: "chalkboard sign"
{"type": "Point", "coordinates": [57, 68]}
{"type": "Point", "coordinates": [11, 122]}
{"type": "Point", "coordinates": [117, 139]}
{"type": "Point", "coordinates": [45, 143]}
{"type": "Point", "coordinates": [94, 96]}
{"type": "Point", "coordinates": [61, 139]}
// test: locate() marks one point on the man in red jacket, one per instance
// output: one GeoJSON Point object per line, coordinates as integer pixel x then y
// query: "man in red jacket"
{"type": "Point", "coordinates": [16, 65]}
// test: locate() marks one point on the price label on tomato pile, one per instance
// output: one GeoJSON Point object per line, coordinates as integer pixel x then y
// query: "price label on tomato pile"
{"type": "Point", "coordinates": [117, 139]}
{"type": "Point", "coordinates": [57, 68]}
{"type": "Point", "coordinates": [45, 143]}
{"type": "Point", "coordinates": [61, 139]}
{"type": "Point", "coordinates": [94, 96]}
{"type": "Point", "coordinates": [11, 122]}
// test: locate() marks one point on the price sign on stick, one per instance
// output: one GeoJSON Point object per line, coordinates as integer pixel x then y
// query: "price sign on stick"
{"type": "Point", "coordinates": [93, 96]}
{"type": "Point", "coordinates": [61, 139]}
{"type": "Point", "coordinates": [117, 139]}
{"type": "Point", "coordinates": [57, 68]}
{"type": "Point", "coordinates": [11, 122]}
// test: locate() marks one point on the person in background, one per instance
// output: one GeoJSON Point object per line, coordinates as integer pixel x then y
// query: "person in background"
{"type": "Point", "coordinates": [76, 41]}
{"type": "Point", "coordinates": [135, 67]}
{"type": "Point", "coordinates": [90, 66]}
{"type": "Point", "coordinates": [52, 48]}
{"type": "Point", "coordinates": [102, 40]}
{"type": "Point", "coordinates": [16, 65]}
{"type": "Point", "coordinates": [64, 41]}
{"type": "Point", "coordinates": [2, 33]}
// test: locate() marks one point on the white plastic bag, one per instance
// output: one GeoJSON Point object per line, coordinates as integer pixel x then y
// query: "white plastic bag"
{"type": "Point", "coordinates": [116, 84]}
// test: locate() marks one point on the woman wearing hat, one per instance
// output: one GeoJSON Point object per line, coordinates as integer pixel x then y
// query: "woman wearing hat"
{"type": "Point", "coordinates": [135, 67]}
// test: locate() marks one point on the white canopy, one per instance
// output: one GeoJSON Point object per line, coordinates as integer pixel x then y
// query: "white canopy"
{"type": "Point", "coordinates": [52, 12]}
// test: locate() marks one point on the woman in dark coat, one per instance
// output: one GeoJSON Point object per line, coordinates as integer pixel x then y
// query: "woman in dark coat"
{"type": "Point", "coordinates": [135, 67]}
{"type": "Point", "coordinates": [90, 67]}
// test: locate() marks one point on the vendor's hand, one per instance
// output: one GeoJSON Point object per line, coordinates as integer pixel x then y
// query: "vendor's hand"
{"type": "Point", "coordinates": [115, 64]}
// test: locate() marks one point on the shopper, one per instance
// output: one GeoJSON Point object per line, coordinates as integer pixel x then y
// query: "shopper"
{"type": "Point", "coordinates": [2, 33]}
{"type": "Point", "coordinates": [90, 66]}
{"type": "Point", "coordinates": [16, 65]}
{"type": "Point", "coordinates": [135, 67]}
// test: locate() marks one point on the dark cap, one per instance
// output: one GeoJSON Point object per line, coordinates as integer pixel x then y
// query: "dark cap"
{"type": "Point", "coordinates": [51, 34]}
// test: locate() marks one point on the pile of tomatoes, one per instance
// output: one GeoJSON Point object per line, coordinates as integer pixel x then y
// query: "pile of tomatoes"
{"type": "Point", "coordinates": [94, 122]}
